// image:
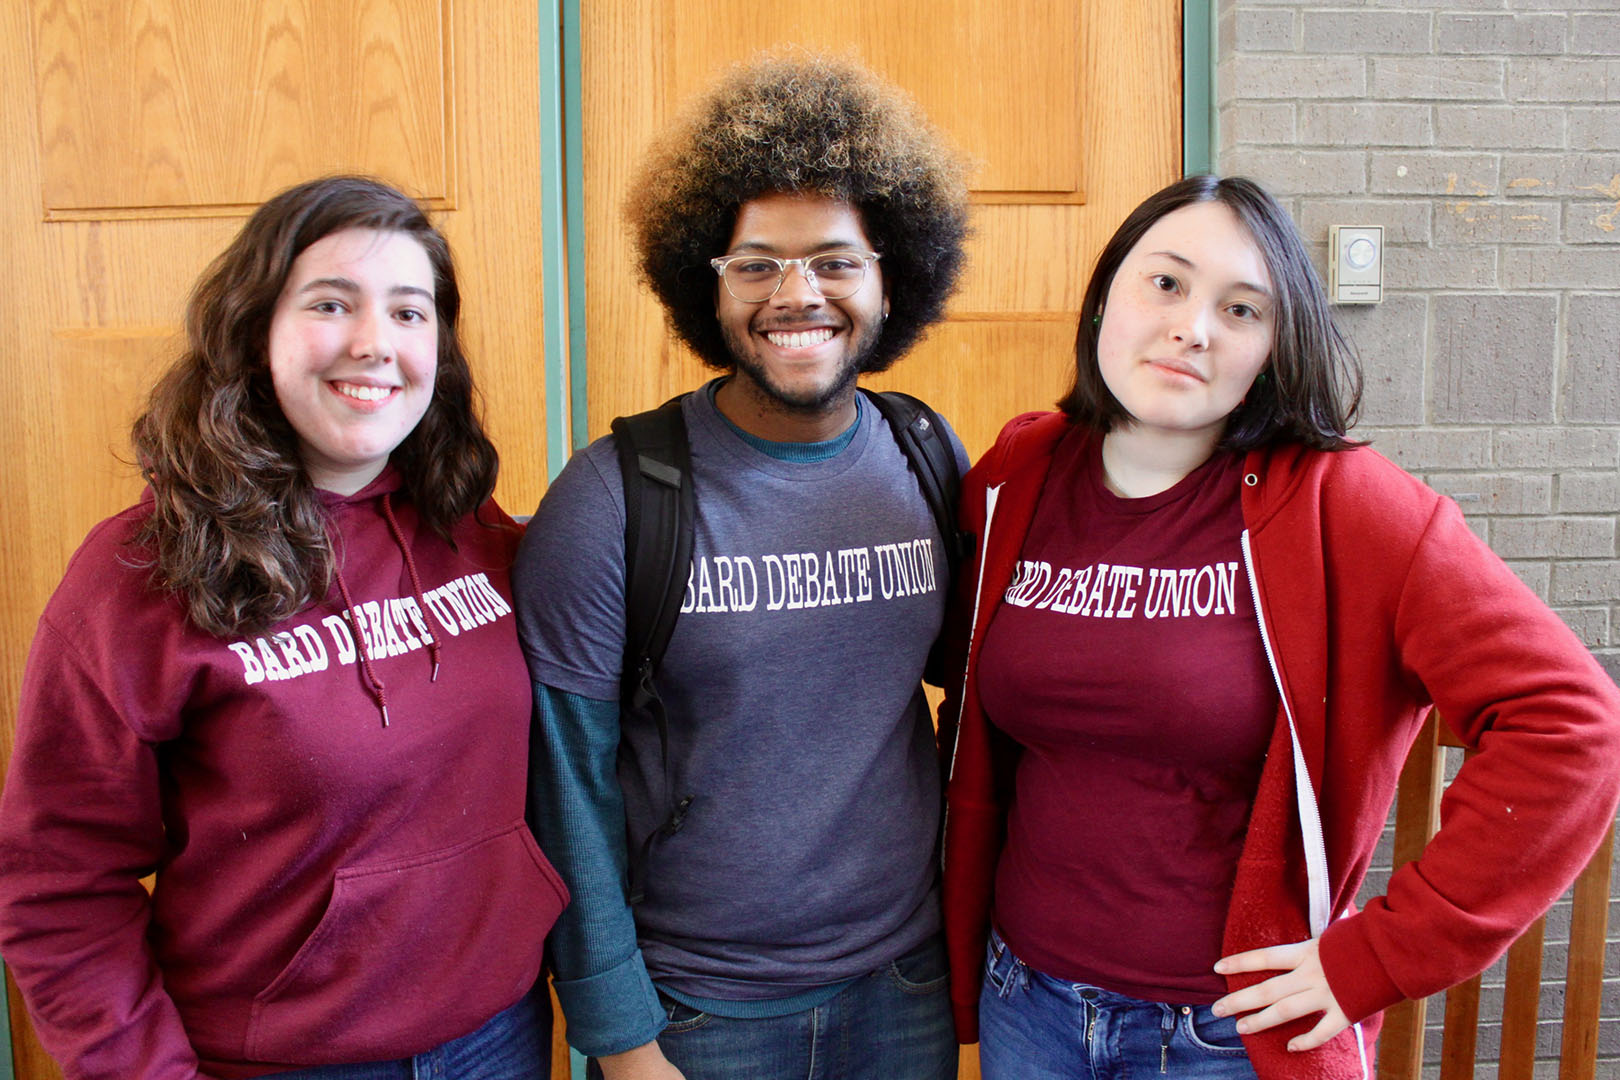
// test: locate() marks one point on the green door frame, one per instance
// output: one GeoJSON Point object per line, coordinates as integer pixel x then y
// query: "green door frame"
{"type": "Point", "coordinates": [1198, 40]}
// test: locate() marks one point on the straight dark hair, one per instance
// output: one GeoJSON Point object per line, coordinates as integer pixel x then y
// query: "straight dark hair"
{"type": "Point", "coordinates": [1310, 389]}
{"type": "Point", "coordinates": [236, 529]}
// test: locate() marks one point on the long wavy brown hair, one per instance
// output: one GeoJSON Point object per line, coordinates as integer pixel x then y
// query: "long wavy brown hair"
{"type": "Point", "coordinates": [237, 530]}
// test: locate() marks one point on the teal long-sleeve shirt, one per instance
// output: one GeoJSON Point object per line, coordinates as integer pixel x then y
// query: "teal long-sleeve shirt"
{"type": "Point", "coordinates": [576, 809]}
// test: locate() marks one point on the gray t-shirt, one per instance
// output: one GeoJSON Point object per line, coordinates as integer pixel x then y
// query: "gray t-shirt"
{"type": "Point", "coordinates": [795, 712]}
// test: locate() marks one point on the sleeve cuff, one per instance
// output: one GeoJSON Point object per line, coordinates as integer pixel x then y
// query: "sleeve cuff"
{"type": "Point", "coordinates": [612, 1011]}
{"type": "Point", "coordinates": [1354, 974]}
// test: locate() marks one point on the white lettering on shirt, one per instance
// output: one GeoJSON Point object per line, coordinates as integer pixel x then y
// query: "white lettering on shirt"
{"type": "Point", "coordinates": [1102, 591]}
{"type": "Point", "coordinates": [388, 627]}
{"type": "Point", "coordinates": [806, 580]}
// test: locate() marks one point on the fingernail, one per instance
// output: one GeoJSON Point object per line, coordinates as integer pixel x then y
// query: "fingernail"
{"type": "Point", "coordinates": [1218, 1009]}
{"type": "Point", "coordinates": [1220, 967]}
{"type": "Point", "coordinates": [1293, 1048]}
{"type": "Point", "coordinates": [1243, 1027]}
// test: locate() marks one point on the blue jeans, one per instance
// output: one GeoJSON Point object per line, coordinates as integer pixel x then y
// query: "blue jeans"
{"type": "Point", "coordinates": [891, 1024]}
{"type": "Point", "coordinates": [1035, 1027]}
{"type": "Point", "coordinates": [514, 1044]}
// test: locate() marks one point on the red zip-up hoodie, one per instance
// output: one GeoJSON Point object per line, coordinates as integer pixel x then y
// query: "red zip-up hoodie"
{"type": "Point", "coordinates": [329, 888]}
{"type": "Point", "coordinates": [1376, 601]}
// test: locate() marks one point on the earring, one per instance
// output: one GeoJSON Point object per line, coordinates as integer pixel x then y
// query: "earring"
{"type": "Point", "coordinates": [1096, 320]}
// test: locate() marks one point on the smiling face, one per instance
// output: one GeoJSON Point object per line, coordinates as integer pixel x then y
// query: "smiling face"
{"type": "Point", "coordinates": [799, 351]}
{"type": "Point", "coordinates": [1188, 323]}
{"type": "Point", "coordinates": [354, 351]}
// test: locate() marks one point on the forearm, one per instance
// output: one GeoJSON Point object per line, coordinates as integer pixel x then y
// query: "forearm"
{"type": "Point", "coordinates": [577, 811]}
{"type": "Point", "coordinates": [1525, 811]}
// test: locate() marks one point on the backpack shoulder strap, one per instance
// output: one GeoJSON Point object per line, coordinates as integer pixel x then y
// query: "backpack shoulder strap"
{"type": "Point", "coordinates": [660, 524]}
{"type": "Point", "coordinates": [655, 462]}
{"type": "Point", "coordinates": [921, 435]}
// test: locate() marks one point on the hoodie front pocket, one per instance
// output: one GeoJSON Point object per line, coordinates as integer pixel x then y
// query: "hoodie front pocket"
{"type": "Point", "coordinates": [412, 953]}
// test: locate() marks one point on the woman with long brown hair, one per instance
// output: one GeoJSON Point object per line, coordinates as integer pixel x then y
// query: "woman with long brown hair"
{"type": "Point", "coordinates": [287, 683]}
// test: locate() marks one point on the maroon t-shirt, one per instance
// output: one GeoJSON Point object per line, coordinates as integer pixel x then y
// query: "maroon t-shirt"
{"type": "Point", "coordinates": [1126, 660]}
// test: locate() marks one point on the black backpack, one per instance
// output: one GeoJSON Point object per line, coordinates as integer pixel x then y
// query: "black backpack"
{"type": "Point", "coordinates": [660, 522]}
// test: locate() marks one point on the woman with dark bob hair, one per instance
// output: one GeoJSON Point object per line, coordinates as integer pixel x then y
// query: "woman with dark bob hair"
{"type": "Point", "coordinates": [1203, 628]}
{"type": "Point", "coordinates": [287, 683]}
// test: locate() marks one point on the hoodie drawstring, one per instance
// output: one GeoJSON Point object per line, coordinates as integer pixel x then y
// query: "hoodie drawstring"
{"type": "Point", "coordinates": [416, 583]}
{"type": "Point", "coordinates": [379, 692]}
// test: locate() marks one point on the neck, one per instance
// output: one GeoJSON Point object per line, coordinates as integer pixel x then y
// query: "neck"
{"type": "Point", "coordinates": [342, 481]}
{"type": "Point", "coordinates": [764, 417]}
{"type": "Point", "coordinates": [1138, 462]}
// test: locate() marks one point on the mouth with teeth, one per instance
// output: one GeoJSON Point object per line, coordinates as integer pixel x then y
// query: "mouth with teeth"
{"type": "Point", "coordinates": [799, 339]}
{"type": "Point", "coordinates": [363, 393]}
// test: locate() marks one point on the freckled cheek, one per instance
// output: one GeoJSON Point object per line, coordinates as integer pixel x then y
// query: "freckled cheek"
{"type": "Point", "coordinates": [1113, 353]}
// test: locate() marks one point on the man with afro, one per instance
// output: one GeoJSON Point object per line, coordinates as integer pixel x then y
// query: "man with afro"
{"type": "Point", "coordinates": [802, 225]}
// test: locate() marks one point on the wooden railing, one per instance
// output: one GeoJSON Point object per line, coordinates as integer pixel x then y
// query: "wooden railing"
{"type": "Point", "coordinates": [1400, 1053]}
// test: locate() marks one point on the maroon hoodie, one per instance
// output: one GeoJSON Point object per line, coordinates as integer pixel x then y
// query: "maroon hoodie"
{"type": "Point", "coordinates": [1378, 601]}
{"type": "Point", "coordinates": [343, 870]}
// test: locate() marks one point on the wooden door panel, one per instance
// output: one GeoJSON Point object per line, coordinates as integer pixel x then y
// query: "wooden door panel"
{"type": "Point", "coordinates": [495, 230]}
{"type": "Point", "coordinates": [98, 381]}
{"type": "Point", "coordinates": [163, 106]}
{"type": "Point", "coordinates": [966, 62]}
{"type": "Point", "coordinates": [969, 356]}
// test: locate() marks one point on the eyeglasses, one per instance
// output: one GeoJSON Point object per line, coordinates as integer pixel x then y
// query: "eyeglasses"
{"type": "Point", "coordinates": [753, 279]}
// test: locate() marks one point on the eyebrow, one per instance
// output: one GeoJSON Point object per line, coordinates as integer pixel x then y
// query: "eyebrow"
{"type": "Point", "coordinates": [764, 248]}
{"type": "Point", "coordinates": [349, 285]}
{"type": "Point", "coordinates": [1189, 264]}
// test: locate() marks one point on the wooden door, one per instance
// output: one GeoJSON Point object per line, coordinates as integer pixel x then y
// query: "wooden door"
{"type": "Point", "coordinates": [139, 134]}
{"type": "Point", "coordinates": [1072, 111]}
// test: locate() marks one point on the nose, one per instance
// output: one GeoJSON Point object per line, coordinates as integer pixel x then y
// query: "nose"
{"type": "Point", "coordinates": [372, 340]}
{"type": "Point", "coordinates": [796, 290]}
{"type": "Point", "coordinates": [1191, 329]}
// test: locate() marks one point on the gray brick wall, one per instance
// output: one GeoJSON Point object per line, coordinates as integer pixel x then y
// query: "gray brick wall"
{"type": "Point", "coordinates": [1484, 135]}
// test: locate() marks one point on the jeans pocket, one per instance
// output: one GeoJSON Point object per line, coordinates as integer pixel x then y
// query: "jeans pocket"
{"type": "Point", "coordinates": [999, 963]}
{"type": "Point", "coordinates": [681, 1016]}
{"type": "Point", "coordinates": [1215, 1034]}
{"type": "Point", "coordinates": [923, 970]}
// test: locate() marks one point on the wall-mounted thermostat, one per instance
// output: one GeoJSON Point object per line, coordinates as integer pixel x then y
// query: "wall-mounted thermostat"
{"type": "Point", "coordinates": [1356, 264]}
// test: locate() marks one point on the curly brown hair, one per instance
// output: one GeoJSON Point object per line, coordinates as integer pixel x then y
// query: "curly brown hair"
{"type": "Point", "coordinates": [789, 123]}
{"type": "Point", "coordinates": [237, 529]}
